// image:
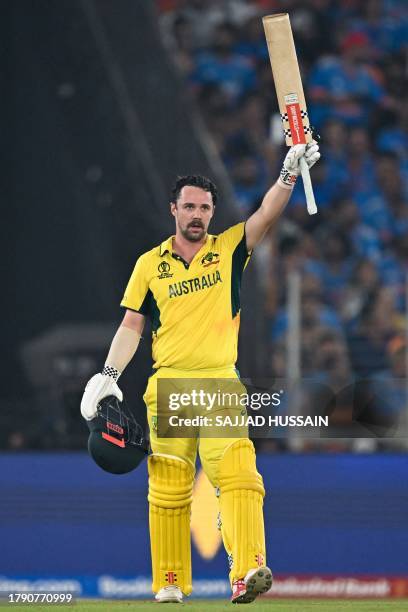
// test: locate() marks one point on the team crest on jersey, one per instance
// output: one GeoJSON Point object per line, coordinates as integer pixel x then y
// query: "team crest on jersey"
{"type": "Point", "coordinates": [164, 269]}
{"type": "Point", "coordinates": [210, 259]}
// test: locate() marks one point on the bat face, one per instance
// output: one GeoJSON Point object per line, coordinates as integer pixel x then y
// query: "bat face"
{"type": "Point", "coordinates": [288, 83]}
{"type": "Point", "coordinates": [289, 91]}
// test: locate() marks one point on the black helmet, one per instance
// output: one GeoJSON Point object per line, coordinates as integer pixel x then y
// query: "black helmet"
{"type": "Point", "coordinates": [116, 441]}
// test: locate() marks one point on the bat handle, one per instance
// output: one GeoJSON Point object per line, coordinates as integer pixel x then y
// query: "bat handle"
{"type": "Point", "coordinates": [307, 183]}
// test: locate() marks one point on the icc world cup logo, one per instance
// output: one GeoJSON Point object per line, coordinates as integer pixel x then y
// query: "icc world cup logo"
{"type": "Point", "coordinates": [164, 270]}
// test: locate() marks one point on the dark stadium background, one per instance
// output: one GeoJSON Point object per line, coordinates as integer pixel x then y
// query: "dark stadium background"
{"type": "Point", "coordinates": [103, 104]}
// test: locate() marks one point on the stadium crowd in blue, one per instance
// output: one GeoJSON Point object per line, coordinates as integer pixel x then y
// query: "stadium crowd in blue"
{"type": "Point", "coordinates": [353, 255]}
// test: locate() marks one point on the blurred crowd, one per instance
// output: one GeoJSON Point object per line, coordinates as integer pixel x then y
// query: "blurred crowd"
{"type": "Point", "coordinates": [353, 255]}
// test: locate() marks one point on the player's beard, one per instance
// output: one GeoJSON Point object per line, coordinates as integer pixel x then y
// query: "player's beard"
{"type": "Point", "coordinates": [193, 236]}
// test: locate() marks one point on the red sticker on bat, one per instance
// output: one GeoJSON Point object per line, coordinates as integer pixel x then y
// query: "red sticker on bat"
{"type": "Point", "coordinates": [296, 123]}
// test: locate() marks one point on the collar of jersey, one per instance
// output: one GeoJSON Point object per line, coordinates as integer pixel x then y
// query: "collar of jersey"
{"type": "Point", "coordinates": [167, 245]}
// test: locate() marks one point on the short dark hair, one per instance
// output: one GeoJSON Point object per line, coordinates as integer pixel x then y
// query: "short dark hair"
{"type": "Point", "coordinates": [194, 180]}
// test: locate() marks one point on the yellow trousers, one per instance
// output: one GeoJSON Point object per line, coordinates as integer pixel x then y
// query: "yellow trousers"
{"type": "Point", "coordinates": [229, 463]}
{"type": "Point", "coordinates": [210, 449]}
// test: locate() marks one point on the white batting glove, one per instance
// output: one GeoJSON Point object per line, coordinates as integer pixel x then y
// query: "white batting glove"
{"type": "Point", "coordinates": [98, 387]}
{"type": "Point", "coordinates": [312, 153]}
{"type": "Point", "coordinates": [291, 167]}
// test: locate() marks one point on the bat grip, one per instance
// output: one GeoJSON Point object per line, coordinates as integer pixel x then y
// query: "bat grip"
{"type": "Point", "coordinates": [307, 184]}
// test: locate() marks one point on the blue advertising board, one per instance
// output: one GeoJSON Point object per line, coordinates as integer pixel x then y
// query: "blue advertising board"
{"type": "Point", "coordinates": [63, 519]}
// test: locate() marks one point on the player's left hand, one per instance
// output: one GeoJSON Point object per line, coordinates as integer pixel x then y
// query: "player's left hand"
{"type": "Point", "coordinates": [98, 387]}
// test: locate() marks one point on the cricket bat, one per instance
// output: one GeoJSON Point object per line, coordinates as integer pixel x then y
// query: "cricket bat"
{"type": "Point", "coordinates": [289, 91]}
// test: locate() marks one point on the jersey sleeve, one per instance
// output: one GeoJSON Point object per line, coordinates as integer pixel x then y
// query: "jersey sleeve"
{"type": "Point", "coordinates": [137, 290]}
{"type": "Point", "coordinates": [234, 240]}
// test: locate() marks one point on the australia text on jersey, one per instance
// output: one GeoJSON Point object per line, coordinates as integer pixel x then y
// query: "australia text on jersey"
{"type": "Point", "coordinates": [194, 284]}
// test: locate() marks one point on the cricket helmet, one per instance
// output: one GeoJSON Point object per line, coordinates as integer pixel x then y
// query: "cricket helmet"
{"type": "Point", "coordinates": [116, 440]}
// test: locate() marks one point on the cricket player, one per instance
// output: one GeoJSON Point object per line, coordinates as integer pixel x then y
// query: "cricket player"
{"type": "Point", "coordinates": [189, 286]}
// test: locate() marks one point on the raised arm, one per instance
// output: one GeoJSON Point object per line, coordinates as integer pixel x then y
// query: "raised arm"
{"type": "Point", "coordinates": [122, 350]}
{"type": "Point", "coordinates": [278, 195]}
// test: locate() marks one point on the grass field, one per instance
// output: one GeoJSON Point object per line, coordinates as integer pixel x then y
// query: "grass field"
{"type": "Point", "coordinates": [274, 605]}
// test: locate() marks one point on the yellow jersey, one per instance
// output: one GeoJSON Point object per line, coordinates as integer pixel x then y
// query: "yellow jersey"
{"type": "Point", "coordinates": [194, 308]}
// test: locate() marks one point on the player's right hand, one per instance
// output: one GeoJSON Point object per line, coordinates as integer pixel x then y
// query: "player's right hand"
{"type": "Point", "coordinates": [291, 161]}
{"type": "Point", "coordinates": [310, 152]}
{"type": "Point", "coordinates": [98, 387]}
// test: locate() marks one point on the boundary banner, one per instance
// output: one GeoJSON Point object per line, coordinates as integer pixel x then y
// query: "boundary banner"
{"type": "Point", "coordinates": [284, 586]}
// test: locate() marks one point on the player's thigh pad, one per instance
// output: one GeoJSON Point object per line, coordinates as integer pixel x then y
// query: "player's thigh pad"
{"type": "Point", "coordinates": [241, 506]}
{"type": "Point", "coordinates": [170, 495]}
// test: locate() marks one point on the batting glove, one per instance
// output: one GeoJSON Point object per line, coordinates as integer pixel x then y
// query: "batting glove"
{"type": "Point", "coordinates": [291, 167]}
{"type": "Point", "coordinates": [99, 386]}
